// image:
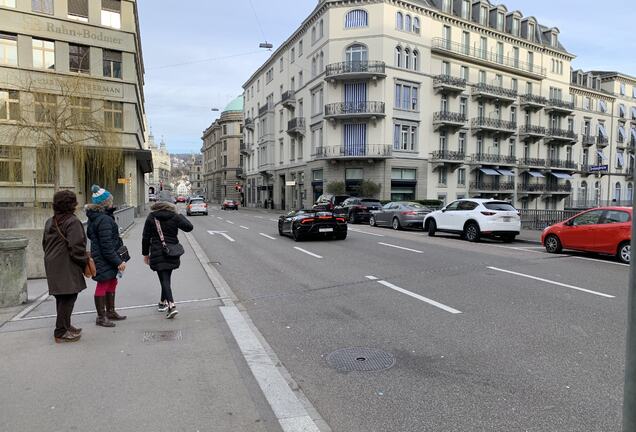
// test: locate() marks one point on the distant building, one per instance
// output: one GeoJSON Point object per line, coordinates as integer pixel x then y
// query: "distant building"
{"type": "Point", "coordinates": [195, 175]}
{"type": "Point", "coordinates": [160, 176]}
{"type": "Point", "coordinates": [223, 154]}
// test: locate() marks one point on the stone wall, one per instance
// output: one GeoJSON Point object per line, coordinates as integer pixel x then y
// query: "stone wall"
{"type": "Point", "coordinates": [35, 254]}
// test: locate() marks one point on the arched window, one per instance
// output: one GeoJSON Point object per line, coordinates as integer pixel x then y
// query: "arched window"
{"type": "Point", "coordinates": [617, 192]}
{"type": "Point", "coordinates": [416, 60]}
{"type": "Point", "coordinates": [356, 18]}
{"type": "Point", "coordinates": [321, 64]}
{"type": "Point", "coordinates": [321, 29]}
{"type": "Point", "coordinates": [313, 67]}
{"type": "Point", "coordinates": [630, 192]}
{"type": "Point", "coordinates": [356, 54]}
{"type": "Point", "coordinates": [407, 23]}
{"type": "Point", "coordinates": [398, 56]}
{"type": "Point", "coordinates": [399, 21]}
{"type": "Point", "coordinates": [583, 194]}
{"type": "Point", "coordinates": [416, 25]}
{"type": "Point", "coordinates": [313, 34]}
{"type": "Point", "coordinates": [407, 58]}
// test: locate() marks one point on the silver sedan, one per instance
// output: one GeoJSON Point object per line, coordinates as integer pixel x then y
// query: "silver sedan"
{"type": "Point", "coordinates": [400, 215]}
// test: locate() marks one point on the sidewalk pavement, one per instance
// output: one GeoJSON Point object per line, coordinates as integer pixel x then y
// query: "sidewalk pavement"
{"type": "Point", "coordinates": [146, 374]}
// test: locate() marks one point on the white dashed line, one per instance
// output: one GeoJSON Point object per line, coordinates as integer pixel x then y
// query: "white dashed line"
{"type": "Point", "coordinates": [307, 252]}
{"type": "Point", "coordinates": [599, 260]}
{"type": "Point", "coordinates": [268, 236]}
{"type": "Point", "coordinates": [365, 232]}
{"type": "Point", "coordinates": [419, 297]}
{"type": "Point", "coordinates": [373, 278]}
{"type": "Point", "coordinates": [219, 218]}
{"type": "Point", "coordinates": [244, 227]}
{"type": "Point", "coordinates": [230, 222]}
{"type": "Point", "coordinates": [552, 282]}
{"type": "Point", "coordinates": [222, 233]}
{"type": "Point", "coordinates": [400, 247]}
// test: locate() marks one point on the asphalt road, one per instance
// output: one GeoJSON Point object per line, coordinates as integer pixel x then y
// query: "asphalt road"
{"type": "Point", "coordinates": [486, 337]}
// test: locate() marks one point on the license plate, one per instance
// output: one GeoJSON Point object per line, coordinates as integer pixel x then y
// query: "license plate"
{"type": "Point", "coordinates": [325, 229]}
{"type": "Point", "coordinates": [507, 219]}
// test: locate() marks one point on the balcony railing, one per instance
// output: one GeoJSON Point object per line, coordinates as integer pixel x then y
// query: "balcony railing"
{"type": "Point", "coordinates": [357, 69]}
{"type": "Point", "coordinates": [441, 44]}
{"type": "Point", "coordinates": [532, 162]}
{"type": "Point", "coordinates": [289, 98]}
{"type": "Point", "coordinates": [368, 151]}
{"type": "Point", "coordinates": [447, 82]}
{"type": "Point", "coordinates": [588, 169]}
{"type": "Point", "coordinates": [492, 187]}
{"type": "Point", "coordinates": [553, 187]}
{"type": "Point", "coordinates": [296, 125]}
{"type": "Point", "coordinates": [494, 158]}
{"type": "Point", "coordinates": [495, 92]}
{"type": "Point", "coordinates": [588, 140]}
{"type": "Point", "coordinates": [355, 109]}
{"type": "Point", "coordinates": [532, 130]}
{"type": "Point", "coordinates": [532, 100]}
{"type": "Point", "coordinates": [244, 148]}
{"type": "Point", "coordinates": [448, 155]}
{"type": "Point", "coordinates": [602, 141]}
{"type": "Point", "coordinates": [248, 123]}
{"type": "Point", "coordinates": [561, 134]}
{"type": "Point", "coordinates": [560, 163]}
{"type": "Point", "coordinates": [494, 124]}
{"type": "Point", "coordinates": [559, 105]}
{"type": "Point", "coordinates": [265, 108]}
{"type": "Point", "coordinates": [449, 117]}
{"type": "Point", "coordinates": [531, 187]}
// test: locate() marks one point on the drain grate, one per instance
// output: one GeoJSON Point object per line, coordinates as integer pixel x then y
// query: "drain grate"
{"type": "Point", "coordinates": [360, 359]}
{"type": "Point", "coordinates": [162, 336]}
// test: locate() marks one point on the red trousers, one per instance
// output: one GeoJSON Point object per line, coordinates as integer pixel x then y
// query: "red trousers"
{"type": "Point", "coordinates": [104, 287]}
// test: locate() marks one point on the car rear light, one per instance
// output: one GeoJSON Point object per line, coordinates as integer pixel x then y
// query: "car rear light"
{"type": "Point", "coordinates": [487, 213]}
{"type": "Point", "coordinates": [409, 213]}
{"type": "Point", "coordinates": [205, 205]}
{"type": "Point", "coordinates": [190, 206]}
{"type": "Point", "coordinates": [343, 220]}
{"type": "Point", "coordinates": [325, 217]}
{"type": "Point", "coordinates": [306, 221]}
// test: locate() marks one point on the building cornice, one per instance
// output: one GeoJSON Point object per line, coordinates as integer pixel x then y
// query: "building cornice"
{"type": "Point", "coordinates": [585, 91]}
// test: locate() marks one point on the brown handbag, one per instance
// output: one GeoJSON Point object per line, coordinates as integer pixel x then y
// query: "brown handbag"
{"type": "Point", "coordinates": [90, 270]}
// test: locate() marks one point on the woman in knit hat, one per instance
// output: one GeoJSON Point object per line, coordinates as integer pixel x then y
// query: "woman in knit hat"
{"type": "Point", "coordinates": [105, 241]}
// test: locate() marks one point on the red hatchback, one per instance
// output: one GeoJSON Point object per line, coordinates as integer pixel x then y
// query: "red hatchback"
{"type": "Point", "coordinates": [604, 230]}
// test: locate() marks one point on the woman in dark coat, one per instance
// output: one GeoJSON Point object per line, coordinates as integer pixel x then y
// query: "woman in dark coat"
{"type": "Point", "coordinates": [152, 249]}
{"type": "Point", "coordinates": [65, 257]}
{"type": "Point", "coordinates": [105, 241]}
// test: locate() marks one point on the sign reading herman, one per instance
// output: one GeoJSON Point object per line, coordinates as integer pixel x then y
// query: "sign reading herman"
{"type": "Point", "coordinates": [596, 168]}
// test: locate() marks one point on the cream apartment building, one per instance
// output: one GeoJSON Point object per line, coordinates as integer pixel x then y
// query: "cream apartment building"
{"type": "Point", "coordinates": [48, 43]}
{"type": "Point", "coordinates": [433, 99]}
{"type": "Point", "coordinates": [160, 175]}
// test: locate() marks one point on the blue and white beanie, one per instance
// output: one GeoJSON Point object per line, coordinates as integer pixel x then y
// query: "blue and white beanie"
{"type": "Point", "coordinates": [100, 194]}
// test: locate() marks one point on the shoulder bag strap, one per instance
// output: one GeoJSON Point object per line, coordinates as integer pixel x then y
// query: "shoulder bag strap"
{"type": "Point", "coordinates": [57, 227]}
{"type": "Point", "coordinates": [160, 232]}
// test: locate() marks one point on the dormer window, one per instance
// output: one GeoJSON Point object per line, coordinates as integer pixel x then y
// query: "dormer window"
{"type": "Point", "coordinates": [554, 41]}
{"type": "Point", "coordinates": [531, 31]}
{"type": "Point", "coordinates": [622, 89]}
{"type": "Point", "coordinates": [500, 21]}
{"type": "Point", "coordinates": [446, 6]}
{"type": "Point", "coordinates": [483, 16]}
{"type": "Point", "coordinates": [515, 26]}
{"type": "Point", "coordinates": [466, 9]}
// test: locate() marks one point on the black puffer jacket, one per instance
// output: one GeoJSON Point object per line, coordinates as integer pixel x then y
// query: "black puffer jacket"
{"type": "Point", "coordinates": [104, 235]}
{"type": "Point", "coordinates": [171, 222]}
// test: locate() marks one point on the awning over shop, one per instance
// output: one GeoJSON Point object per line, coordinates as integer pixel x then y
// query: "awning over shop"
{"type": "Point", "coordinates": [506, 172]}
{"type": "Point", "coordinates": [536, 174]}
{"type": "Point", "coordinates": [562, 175]}
{"type": "Point", "coordinates": [489, 171]}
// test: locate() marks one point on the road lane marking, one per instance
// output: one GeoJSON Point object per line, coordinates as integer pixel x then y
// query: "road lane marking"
{"type": "Point", "coordinates": [513, 248]}
{"type": "Point", "coordinates": [274, 220]}
{"type": "Point", "coordinates": [599, 260]}
{"type": "Point", "coordinates": [259, 217]}
{"type": "Point", "coordinates": [28, 309]}
{"type": "Point", "coordinates": [552, 282]}
{"type": "Point", "coordinates": [419, 297]}
{"type": "Point", "coordinates": [230, 222]}
{"type": "Point", "coordinates": [268, 236]}
{"type": "Point", "coordinates": [212, 233]}
{"type": "Point", "coordinates": [219, 218]}
{"type": "Point", "coordinates": [244, 227]}
{"type": "Point", "coordinates": [373, 278]}
{"type": "Point", "coordinates": [307, 252]}
{"type": "Point", "coordinates": [400, 247]}
{"type": "Point", "coordinates": [365, 232]}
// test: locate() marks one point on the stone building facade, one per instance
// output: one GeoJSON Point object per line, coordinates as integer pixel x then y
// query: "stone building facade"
{"type": "Point", "coordinates": [160, 175]}
{"type": "Point", "coordinates": [434, 99]}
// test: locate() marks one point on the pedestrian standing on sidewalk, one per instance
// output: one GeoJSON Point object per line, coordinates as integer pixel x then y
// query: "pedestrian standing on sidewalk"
{"type": "Point", "coordinates": [64, 244]}
{"type": "Point", "coordinates": [105, 241]}
{"type": "Point", "coordinates": [161, 248]}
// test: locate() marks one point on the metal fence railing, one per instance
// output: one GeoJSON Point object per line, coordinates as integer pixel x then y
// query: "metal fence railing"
{"type": "Point", "coordinates": [124, 217]}
{"type": "Point", "coordinates": [539, 219]}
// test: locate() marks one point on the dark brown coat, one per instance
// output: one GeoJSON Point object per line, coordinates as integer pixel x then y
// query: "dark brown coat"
{"type": "Point", "coordinates": [64, 260]}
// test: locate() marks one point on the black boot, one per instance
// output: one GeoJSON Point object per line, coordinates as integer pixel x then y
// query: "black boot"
{"type": "Point", "coordinates": [110, 308]}
{"type": "Point", "coordinates": [102, 320]}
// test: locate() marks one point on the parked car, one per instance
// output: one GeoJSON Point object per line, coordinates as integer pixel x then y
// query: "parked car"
{"type": "Point", "coordinates": [305, 223]}
{"type": "Point", "coordinates": [329, 201]}
{"type": "Point", "coordinates": [475, 218]}
{"type": "Point", "coordinates": [399, 215]}
{"type": "Point", "coordinates": [357, 209]}
{"type": "Point", "coordinates": [196, 206]}
{"type": "Point", "coordinates": [603, 230]}
{"type": "Point", "coordinates": [229, 204]}
{"type": "Point", "coordinates": [181, 199]}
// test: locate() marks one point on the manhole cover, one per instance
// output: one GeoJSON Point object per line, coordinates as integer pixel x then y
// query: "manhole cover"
{"type": "Point", "coordinates": [360, 359]}
{"type": "Point", "coordinates": [162, 336]}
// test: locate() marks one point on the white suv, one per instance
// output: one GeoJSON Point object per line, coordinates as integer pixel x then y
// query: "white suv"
{"type": "Point", "coordinates": [474, 218]}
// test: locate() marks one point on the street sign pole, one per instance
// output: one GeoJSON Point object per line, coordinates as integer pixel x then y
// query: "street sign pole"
{"type": "Point", "coordinates": [629, 398]}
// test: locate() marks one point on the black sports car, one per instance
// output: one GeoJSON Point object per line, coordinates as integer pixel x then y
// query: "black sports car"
{"type": "Point", "coordinates": [318, 223]}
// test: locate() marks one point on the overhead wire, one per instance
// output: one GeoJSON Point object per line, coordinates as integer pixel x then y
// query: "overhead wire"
{"type": "Point", "coordinates": [205, 60]}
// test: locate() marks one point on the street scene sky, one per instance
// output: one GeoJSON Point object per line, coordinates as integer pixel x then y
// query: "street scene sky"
{"type": "Point", "coordinates": [198, 56]}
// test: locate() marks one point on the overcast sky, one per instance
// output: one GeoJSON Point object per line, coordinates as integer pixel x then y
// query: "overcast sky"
{"type": "Point", "coordinates": [197, 56]}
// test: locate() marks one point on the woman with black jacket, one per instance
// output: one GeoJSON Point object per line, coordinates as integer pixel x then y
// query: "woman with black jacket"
{"type": "Point", "coordinates": [105, 241]}
{"type": "Point", "coordinates": [169, 221]}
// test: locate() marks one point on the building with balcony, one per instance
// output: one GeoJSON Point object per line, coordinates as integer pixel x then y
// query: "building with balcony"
{"type": "Point", "coordinates": [433, 99]}
{"type": "Point", "coordinates": [224, 150]}
{"type": "Point", "coordinates": [86, 55]}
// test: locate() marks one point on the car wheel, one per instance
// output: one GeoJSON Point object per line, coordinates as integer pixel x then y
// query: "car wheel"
{"type": "Point", "coordinates": [508, 238]}
{"type": "Point", "coordinates": [552, 244]}
{"type": "Point", "coordinates": [625, 252]}
{"type": "Point", "coordinates": [280, 230]}
{"type": "Point", "coordinates": [396, 224]}
{"type": "Point", "coordinates": [296, 235]}
{"type": "Point", "coordinates": [352, 218]}
{"type": "Point", "coordinates": [432, 227]}
{"type": "Point", "coordinates": [471, 232]}
{"type": "Point", "coordinates": [372, 221]}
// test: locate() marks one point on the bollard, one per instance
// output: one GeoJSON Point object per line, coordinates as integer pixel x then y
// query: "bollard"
{"type": "Point", "coordinates": [13, 271]}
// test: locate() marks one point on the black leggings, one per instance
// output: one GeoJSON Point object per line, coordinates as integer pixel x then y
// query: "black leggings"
{"type": "Point", "coordinates": [166, 289]}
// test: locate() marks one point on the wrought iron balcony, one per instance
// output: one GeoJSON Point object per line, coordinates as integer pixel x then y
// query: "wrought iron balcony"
{"type": "Point", "coordinates": [447, 83]}
{"type": "Point", "coordinates": [559, 106]}
{"type": "Point", "coordinates": [486, 57]}
{"type": "Point", "coordinates": [448, 156]}
{"type": "Point", "coordinates": [248, 123]}
{"type": "Point", "coordinates": [560, 163]}
{"type": "Point", "coordinates": [296, 126]}
{"type": "Point", "coordinates": [240, 173]}
{"type": "Point", "coordinates": [494, 159]}
{"type": "Point", "coordinates": [587, 169]}
{"type": "Point", "coordinates": [245, 148]}
{"type": "Point", "coordinates": [563, 135]}
{"type": "Point", "coordinates": [588, 140]}
{"type": "Point", "coordinates": [532, 162]}
{"type": "Point", "coordinates": [532, 131]}
{"type": "Point", "coordinates": [448, 119]}
{"type": "Point", "coordinates": [558, 188]}
{"type": "Point", "coordinates": [265, 109]}
{"type": "Point", "coordinates": [500, 94]}
{"type": "Point", "coordinates": [531, 187]}
{"type": "Point", "coordinates": [486, 124]}
{"type": "Point", "coordinates": [345, 110]}
{"type": "Point", "coordinates": [531, 101]}
{"type": "Point", "coordinates": [289, 99]}
{"type": "Point", "coordinates": [356, 70]}
{"type": "Point", "coordinates": [602, 141]}
{"type": "Point", "coordinates": [368, 151]}
{"type": "Point", "coordinates": [492, 187]}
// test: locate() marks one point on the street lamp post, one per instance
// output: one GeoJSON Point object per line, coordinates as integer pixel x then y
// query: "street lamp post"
{"type": "Point", "coordinates": [629, 398]}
